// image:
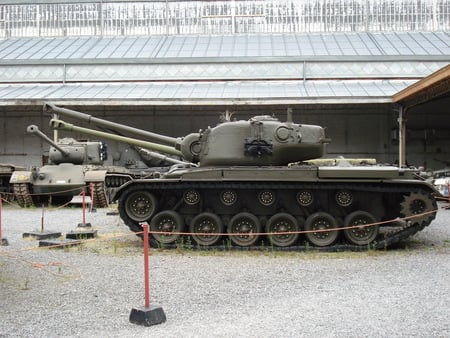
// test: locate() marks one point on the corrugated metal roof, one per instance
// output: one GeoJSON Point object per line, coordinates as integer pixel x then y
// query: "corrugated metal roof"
{"type": "Point", "coordinates": [228, 69]}
{"type": "Point", "coordinates": [376, 46]}
{"type": "Point", "coordinates": [233, 57]}
{"type": "Point", "coordinates": [196, 93]}
{"type": "Point", "coordinates": [206, 71]}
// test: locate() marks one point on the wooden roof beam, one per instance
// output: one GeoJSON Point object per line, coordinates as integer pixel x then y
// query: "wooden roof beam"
{"type": "Point", "coordinates": [429, 87]}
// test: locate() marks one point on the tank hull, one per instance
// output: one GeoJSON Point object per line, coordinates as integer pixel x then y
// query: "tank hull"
{"type": "Point", "coordinates": [50, 183]}
{"type": "Point", "coordinates": [327, 207]}
{"type": "Point", "coordinates": [58, 184]}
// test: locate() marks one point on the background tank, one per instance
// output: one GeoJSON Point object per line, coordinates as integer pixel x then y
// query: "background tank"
{"type": "Point", "coordinates": [63, 177]}
{"type": "Point", "coordinates": [6, 171]}
{"type": "Point", "coordinates": [255, 177]}
{"type": "Point", "coordinates": [74, 165]}
{"type": "Point", "coordinates": [132, 156]}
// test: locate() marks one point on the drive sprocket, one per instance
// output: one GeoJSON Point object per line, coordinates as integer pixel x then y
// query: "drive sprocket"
{"type": "Point", "coordinates": [416, 206]}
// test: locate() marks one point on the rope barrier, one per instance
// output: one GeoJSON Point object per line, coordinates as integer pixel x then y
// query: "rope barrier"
{"type": "Point", "coordinates": [44, 267]}
{"type": "Point", "coordinates": [222, 234]}
{"type": "Point", "coordinates": [234, 234]}
{"type": "Point", "coordinates": [292, 232]}
{"type": "Point", "coordinates": [56, 192]}
{"type": "Point", "coordinates": [48, 193]}
{"type": "Point", "coordinates": [15, 205]}
{"type": "Point", "coordinates": [62, 245]}
{"type": "Point", "coordinates": [155, 315]}
{"type": "Point", "coordinates": [5, 200]}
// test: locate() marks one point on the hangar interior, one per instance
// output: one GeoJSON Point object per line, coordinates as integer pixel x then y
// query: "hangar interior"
{"type": "Point", "coordinates": [348, 82]}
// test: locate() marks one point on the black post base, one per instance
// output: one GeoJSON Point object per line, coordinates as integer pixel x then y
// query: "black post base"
{"type": "Point", "coordinates": [148, 316]}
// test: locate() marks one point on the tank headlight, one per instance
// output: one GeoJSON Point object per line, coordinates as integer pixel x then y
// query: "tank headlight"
{"type": "Point", "coordinates": [41, 176]}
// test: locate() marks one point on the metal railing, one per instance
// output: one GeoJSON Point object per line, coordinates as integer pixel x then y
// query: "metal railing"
{"type": "Point", "coordinates": [167, 17]}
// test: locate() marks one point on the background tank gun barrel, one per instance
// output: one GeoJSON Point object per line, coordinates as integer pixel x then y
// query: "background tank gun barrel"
{"type": "Point", "coordinates": [33, 129]}
{"type": "Point", "coordinates": [62, 125]}
{"type": "Point", "coordinates": [153, 137]}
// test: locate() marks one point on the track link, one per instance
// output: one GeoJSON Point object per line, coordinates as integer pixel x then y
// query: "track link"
{"type": "Point", "coordinates": [22, 195]}
{"type": "Point", "coordinates": [99, 195]}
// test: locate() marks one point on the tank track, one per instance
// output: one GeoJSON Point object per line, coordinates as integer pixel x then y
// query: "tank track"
{"type": "Point", "coordinates": [399, 231]}
{"type": "Point", "coordinates": [22, 195]}
{"type": "Point", "coordinates": [99, 195]}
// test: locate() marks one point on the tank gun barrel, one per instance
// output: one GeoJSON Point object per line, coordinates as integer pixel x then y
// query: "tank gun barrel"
{"type": "Point", "coordinates": [62, 125]}
{"type": "Point", "coordinates": [33, 129]}
{"type": "Point", "coordinates": [153, 137]}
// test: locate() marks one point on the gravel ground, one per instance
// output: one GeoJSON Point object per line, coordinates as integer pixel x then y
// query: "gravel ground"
{"type": "Point", "coordinates": [89, 290]}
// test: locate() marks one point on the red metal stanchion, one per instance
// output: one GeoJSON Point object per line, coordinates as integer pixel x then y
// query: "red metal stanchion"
{"type": "Point", "coordinates": [91, 191]}
{"type": "Point", "coordinates": [83, 203]}
{"type": "Point", "coordinates": [147, 315]}
{"type": "Point", "coordinates": [42, 219]}
{"type": "Point", "coordinates": [84, 206]}
{"type": "Point", "coordinates": [146, 268]}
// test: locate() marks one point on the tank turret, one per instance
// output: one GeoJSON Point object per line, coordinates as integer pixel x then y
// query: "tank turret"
{"type": "Point", "coordinates": [69, 150]}
{"type": "Point", "coordinates": [259, 141]}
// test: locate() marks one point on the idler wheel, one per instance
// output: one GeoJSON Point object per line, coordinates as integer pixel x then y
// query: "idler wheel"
{"type": "Point", "coordinates": [317, 224]}
{"type": "Point", "coordinates": [417, 203]}
{"type": "Point", "coordinates": [167, 221]}
{"type": "Point", "coordinates": [242, 227]}
{"type": "Point", "coordinates": [359, 233]}
{"type": "Point", "coordinates": [282, 224]}
{"type": "Point", "coordinates": [206, 228]}
{"type": "Point", "coordinates": [140, 205]}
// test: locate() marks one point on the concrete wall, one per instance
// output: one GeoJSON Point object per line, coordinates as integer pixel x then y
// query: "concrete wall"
{"type": "Point", "coordinates": [16, 146]}
{"type": "Point", "coordinates": [356, 130]}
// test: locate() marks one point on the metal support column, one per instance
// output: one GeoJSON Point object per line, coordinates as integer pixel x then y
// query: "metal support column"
{"type": "Point", "coordinates": [401, 136]}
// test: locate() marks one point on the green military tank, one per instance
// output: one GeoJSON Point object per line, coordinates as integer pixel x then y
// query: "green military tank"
{"type": "Point", "coordinates": [257, 182]}
{"type": "Point", "coordinates": [77, 165]}
{"type": "Point", "coordinates": [64, 176]}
